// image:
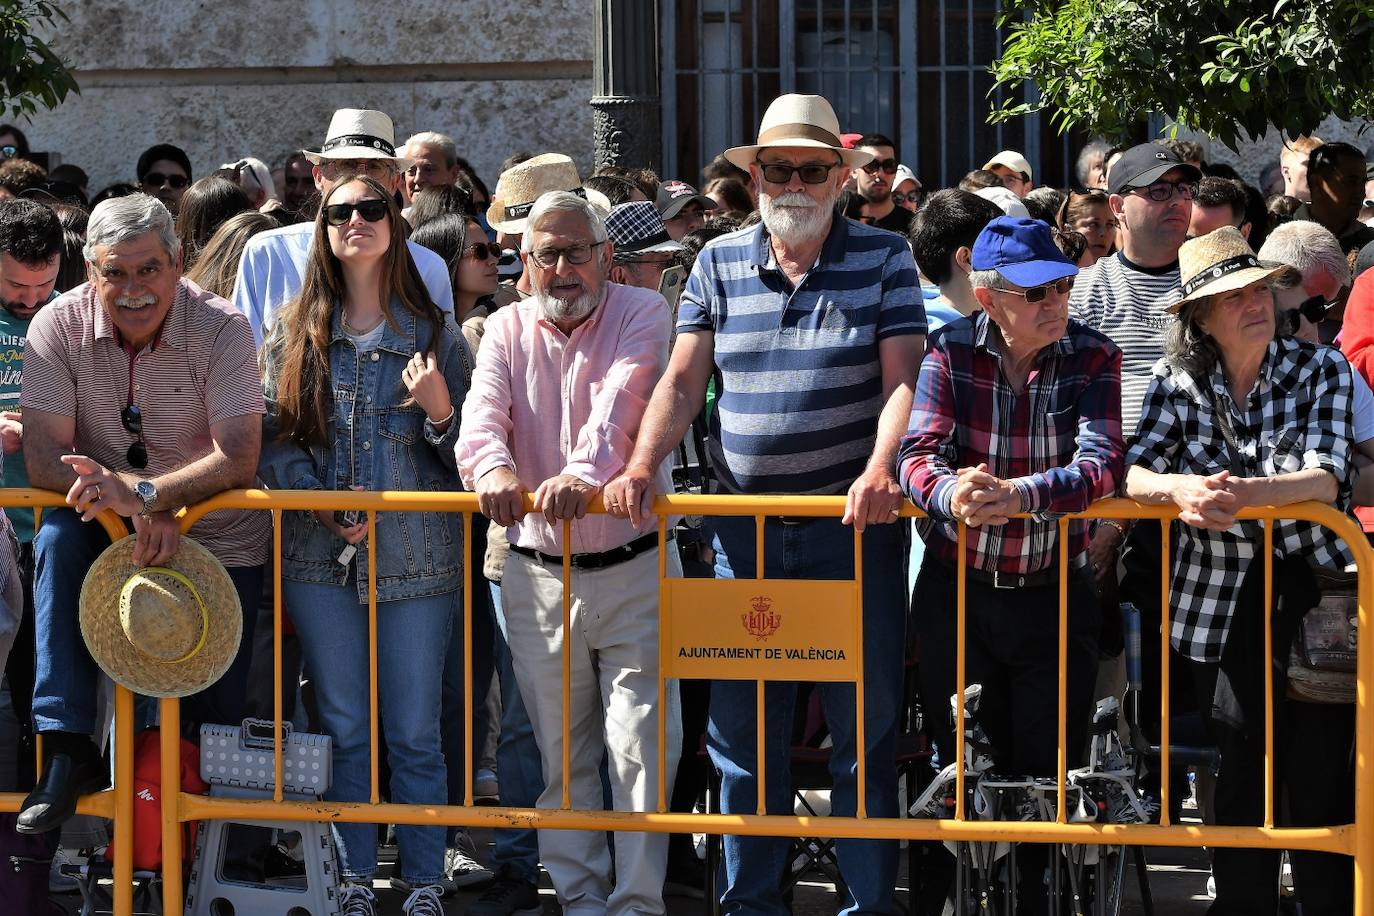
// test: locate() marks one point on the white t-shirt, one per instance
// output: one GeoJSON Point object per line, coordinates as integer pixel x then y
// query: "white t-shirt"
{"type": "Point", "coordinates": [1362, 410]}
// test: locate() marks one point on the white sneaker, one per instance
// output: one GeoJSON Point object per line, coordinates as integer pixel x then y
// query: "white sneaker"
{"type": "Point", "coordinates": [58, 883]}
{"type": "Point", "coordinates": [424, 901]}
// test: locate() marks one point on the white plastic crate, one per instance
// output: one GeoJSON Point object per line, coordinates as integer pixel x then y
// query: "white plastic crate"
{"type": "Point", "coordinates": [240, 757]}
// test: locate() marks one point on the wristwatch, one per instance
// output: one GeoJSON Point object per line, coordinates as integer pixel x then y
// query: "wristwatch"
{"type": "Point", "coordinates": [146, 490]}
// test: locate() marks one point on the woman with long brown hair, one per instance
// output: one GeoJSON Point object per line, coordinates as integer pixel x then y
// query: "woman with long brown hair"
{"type": "Point", "coordinates": [362, 380]}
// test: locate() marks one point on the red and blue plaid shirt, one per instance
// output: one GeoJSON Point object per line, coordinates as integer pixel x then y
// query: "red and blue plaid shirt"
{"type": "Point", "coordinates": [1058, 441]}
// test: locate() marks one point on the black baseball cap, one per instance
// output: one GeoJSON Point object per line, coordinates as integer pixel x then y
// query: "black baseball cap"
{"type": "Point", "coordinates": [1143, 165]}
{"type": "Point", "coordinates": [674, 195]}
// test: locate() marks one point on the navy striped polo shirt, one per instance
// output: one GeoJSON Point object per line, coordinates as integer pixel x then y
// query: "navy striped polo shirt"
{"type": "Point", "coordinates": [799, 378]}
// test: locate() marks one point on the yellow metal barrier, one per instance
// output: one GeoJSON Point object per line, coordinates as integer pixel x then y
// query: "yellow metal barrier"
{"type": "Point", "coordinates": [1356, 840]}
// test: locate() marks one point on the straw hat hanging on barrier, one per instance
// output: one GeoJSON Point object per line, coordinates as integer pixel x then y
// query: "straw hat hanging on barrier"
{"type": "Point", "coordinates": [161, 631]}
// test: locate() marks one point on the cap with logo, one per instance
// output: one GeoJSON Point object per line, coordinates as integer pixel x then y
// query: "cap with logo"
{"type": "Point", "coordinates": [1145, 164]}
{"type": "Point", "coordinates": [674, 195]}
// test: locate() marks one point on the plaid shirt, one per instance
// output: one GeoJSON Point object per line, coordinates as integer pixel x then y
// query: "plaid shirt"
{"type": "Point", "coordinates": [1058, 441]}
{"type": "Point", "coordinates": [1298, 416]}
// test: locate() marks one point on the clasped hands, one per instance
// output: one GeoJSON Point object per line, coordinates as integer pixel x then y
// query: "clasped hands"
{"type": "Point", "coordinates": [981, 499]}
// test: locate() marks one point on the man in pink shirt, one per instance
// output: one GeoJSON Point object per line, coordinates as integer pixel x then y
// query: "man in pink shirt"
{"type": "Point", "coordinates": [561, 383]}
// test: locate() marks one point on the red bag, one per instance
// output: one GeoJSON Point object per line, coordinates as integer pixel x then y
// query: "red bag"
{"type": "Point", "coordinates": [148, 801]}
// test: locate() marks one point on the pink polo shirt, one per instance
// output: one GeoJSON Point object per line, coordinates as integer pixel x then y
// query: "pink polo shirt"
{"type": "Point", "coordinates": [544, 404]}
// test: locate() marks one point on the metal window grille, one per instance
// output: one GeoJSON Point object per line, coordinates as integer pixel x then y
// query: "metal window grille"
{"type": "Point", "coordinates": [915, 70]}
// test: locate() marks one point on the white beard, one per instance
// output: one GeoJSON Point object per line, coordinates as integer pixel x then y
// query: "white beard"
{"type": "Point", "coordinates": [794, 216]}
{"type": "Point", "coordinates": [575, 309]}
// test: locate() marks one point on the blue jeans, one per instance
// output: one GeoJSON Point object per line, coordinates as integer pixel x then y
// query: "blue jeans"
{"type": "Point", "coordinates": [517, 762]}
{"type": "Point", "coordinates": [65, 675]}
{"type": "Point", "coordinates": [412, 634]}
{"type": "Point", "coordinates": [818, 549]}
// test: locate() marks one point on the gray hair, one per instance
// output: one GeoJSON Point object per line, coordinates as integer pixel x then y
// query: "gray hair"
{"type": "Point", "coordinates": [1097, 149]}
{"type": "Point", "coordinates": [1187, 346]}
{"type": "Point", "coordinates": [443, 142]}
{"type": "Point", "coordinates": [551, 202]}
{"type": "Point", "coordinates": [986, 279]}
{"type": "Point", "coordinates": [1306, 245]}
{"type": "Point", "coordinates": [122, 218]}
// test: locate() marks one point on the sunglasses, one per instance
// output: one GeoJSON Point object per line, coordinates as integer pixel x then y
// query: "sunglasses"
{"type": "Point", "coordinates": [781, 172]}
{"type": "Point", "coordinates": [370, 210]}
{"type": "Point", "coordinates": [482, 251]}
{"type": "Point", "coordinates": [889, 166]}
{"type": "Point", "coordinates": [159, 180]}
{"type": "Point", "coordinates": [8, 151]}
{"type": "Point", "coordinates": [907, 197]}
{"type": "Point", "coordinates": [1161, 191]}
{"type": "Point", "coordinates": [132, 418]}
{"type": "Point", "coordinates": [1313, 309]}
{"type": "Point", "coordinates": [1038, 293]}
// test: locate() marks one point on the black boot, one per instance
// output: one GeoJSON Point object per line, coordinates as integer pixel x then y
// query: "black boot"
{"type": "Point", "coordinates": [72, 767]}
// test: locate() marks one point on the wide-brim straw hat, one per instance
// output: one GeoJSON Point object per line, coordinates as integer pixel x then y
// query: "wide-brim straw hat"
{"type": "Point", "coordinates": [798, 120]}
{"type": "Point", "coordinates": [1220, 262]}
{"type": "Point", "coordinates": [521, 185]}
{"type": "Point", "coordinates": [358, 133]}
{"type": "Point", "coordinates": [161, 631]}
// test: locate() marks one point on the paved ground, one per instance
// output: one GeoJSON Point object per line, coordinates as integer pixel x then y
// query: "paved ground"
{"type": "Point", "coordinates": [1178, 879]}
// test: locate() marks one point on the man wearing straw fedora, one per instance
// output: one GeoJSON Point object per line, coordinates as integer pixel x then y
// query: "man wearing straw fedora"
{"type": "Point", "coordinates": [815, 327]}
{"type": "Point", "coordinates": [359, 142]}
{"type": "Point", "coordinates": [141, 395]}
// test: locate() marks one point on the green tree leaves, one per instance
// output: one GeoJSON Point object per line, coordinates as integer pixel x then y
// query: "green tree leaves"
{"type": "Point", "coordinates": [31, 73]}
{"type": "Point", "coordinates": [1223, 67]}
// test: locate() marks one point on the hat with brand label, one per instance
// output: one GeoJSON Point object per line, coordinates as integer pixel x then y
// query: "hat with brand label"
{"type": "Point", "coordinates": [358, 133]}
{"type": "Point", "coordinates": [1145, 164]}
{"type": "Point", "coordinates": [1220, 262]}
{"type": "Point", "coordinates": [674, 195]}
{"type": "Point", "coordinates": [521, 185]}
{"type": "Point", "coordinates": [1022, 251]}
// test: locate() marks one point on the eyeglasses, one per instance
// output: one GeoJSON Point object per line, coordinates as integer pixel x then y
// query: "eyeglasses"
{"type": "Point", "coordinates": [1161, 191]}
{"type": "Point", "coordinates": [1038, 293]}
{"type": "Point", "coordinates": [132, 418]}
{"type": "Point", "coordinates": [908, 197]}
{"type": "Point", "coordinates": [781, 172]}
{"type": "Point", "coordinates": [370, 210]}
{"type": "Point", "coordinates": [159, 180]}
{"type": "Point", "coordinates": [8, 151]}
{"type": "Point", "coordinates": [547, 258]}
{"type": "Point", "coordinates": [1314, 309]}
{"type": "Point", "coordinates": [889, 166]}
{"type": "Point", "coordinates": [483, 250]}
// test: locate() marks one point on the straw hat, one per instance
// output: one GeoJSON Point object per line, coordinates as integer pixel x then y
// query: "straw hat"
{"type": "Point", "coordinates": [798, 120]}
{"type": "Point", "coordinates": [1219, 262]}
{"type": "Point", "coordinates": [521, 185]}
{"type": "Point", "coordinates": [359, 133]}
{"type": "Point", "coordinates": [162, 631]}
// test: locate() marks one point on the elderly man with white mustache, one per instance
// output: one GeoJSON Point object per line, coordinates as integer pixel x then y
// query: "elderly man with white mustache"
{"type": "Point", "coordinates": [561, 382]}
{"type": "Point", "coordinates": [141, 394]}
{"type": "Point", "coordinates": [815, 329]}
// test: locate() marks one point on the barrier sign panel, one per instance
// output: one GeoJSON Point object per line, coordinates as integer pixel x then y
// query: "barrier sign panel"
{"type": "Point", "coordinates": [775, 629]}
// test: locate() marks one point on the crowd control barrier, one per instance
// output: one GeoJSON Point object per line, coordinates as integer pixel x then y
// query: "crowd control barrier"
{"type": "Point", "coordinates": [688, 609]}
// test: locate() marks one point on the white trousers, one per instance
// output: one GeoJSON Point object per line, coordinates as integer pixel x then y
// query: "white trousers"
{"type": "Point", "coordinates": [614, 702]}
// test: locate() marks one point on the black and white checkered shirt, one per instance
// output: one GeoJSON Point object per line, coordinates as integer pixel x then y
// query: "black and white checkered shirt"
{"type": "Point", "coordinates": [1298, 416]}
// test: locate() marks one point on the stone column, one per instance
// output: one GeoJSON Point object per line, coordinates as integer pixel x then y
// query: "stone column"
{"type": "Point", "coordinates": [625, 92]}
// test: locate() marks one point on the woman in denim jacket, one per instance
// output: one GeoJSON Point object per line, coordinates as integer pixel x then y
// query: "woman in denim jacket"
{"type": "Point", "coordinates": [362, 379]}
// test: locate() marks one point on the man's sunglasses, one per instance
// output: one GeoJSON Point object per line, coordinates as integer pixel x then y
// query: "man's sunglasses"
{"type": "Point", "coordinates": [370, 210]}
{"type": "Point", "coordinates": [1314, 309]}
{"type": "Point", "coordinates": [132, 418]}
{"type": "Point", "coordinates": [889, 166]}
{"type": "Point", "coordinates": [481, 250]}
{"type": "Point", "coordinates": [781, 172]}
{"type": "Point", "coordinates": [159, 180]}
{"type": "Point", "coordinates": [1038, 293]}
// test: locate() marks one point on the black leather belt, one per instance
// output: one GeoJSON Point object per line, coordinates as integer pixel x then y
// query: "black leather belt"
{"type": "Point", "coordinates": [596, 560]}
{"type": "Point", "coordinates": [1037, 579]}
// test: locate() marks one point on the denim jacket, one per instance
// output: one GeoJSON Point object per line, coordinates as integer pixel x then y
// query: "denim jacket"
{"type": "Point", "coordinates": [376, 444]}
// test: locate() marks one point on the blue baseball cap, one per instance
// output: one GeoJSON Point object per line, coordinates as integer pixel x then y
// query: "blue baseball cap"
{"type": "Point", "coordinates": [1022, 250]}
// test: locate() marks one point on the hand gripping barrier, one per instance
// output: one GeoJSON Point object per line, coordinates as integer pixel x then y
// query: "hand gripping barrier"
{"type": "Point", "coordinates": [745, 597]}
